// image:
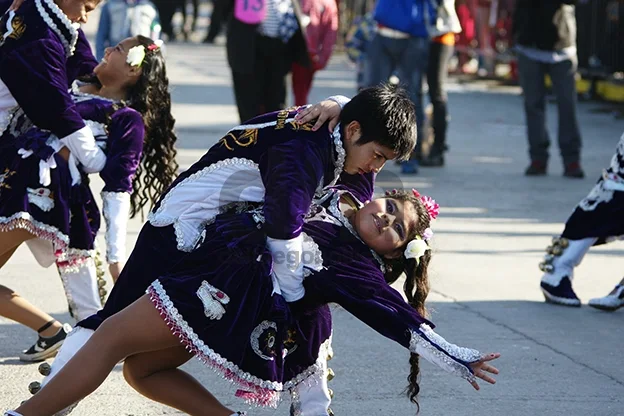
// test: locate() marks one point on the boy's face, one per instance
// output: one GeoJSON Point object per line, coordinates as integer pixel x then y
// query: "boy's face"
{"type": "Point", "coordinates": [365, 158]}
{"type": "Point", "coordinates": [385, 225]}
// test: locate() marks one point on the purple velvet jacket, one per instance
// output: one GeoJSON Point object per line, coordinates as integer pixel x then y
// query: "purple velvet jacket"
{"type": "Point", "coordinates": [286, 165]}
{"type": "Point", "coordinates": [41, 53]}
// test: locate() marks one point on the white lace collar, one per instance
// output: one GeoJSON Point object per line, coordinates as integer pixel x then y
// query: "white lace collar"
{"type": "Point", "coordinates": [71, 28]}
{"type": "Point", "coordinates": [340, 157]}
{"type": "Point", "coordinates": [334, 208]}
{"type": "Point", "coordinates": [83, 96]}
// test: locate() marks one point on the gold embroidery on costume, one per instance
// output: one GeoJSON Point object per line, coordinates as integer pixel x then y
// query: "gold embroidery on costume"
{"type": "Point", "coordinates": [4, 176]}
{"type": "Point", "coordinates": [296, 126]}
{"type": "Point", "coordinates": [281, 119]}
{"type": "Point", "coordinates": [18, 26]}
{"type": "Point", "coordinates": [247, 138]}
{"type": "Point", "coordinates": [11, 27]}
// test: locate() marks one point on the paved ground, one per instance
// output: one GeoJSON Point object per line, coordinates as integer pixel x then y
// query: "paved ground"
{"type": "Point", "coordinates": [490, 236]}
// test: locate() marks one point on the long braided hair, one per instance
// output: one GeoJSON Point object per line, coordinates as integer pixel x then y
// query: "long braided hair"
{"type": "Point", "coordinates": [151, 98]}
{"type": "Point", "coordinates": [416, 285]}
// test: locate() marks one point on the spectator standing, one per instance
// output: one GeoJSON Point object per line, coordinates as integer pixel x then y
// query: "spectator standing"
{"type": "Point", "coordinates": [401, 46]}
{"type": "Point", "coordinates": [544, 32]}
{"type": "Point", "coordinates": [320, 20]}
{"type": "Point", "coordinates": [440, 52]}
{"type": "Point", "coordinates": [261, 52]}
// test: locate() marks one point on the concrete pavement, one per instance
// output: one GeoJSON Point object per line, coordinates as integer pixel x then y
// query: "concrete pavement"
{"type": "Point", "coordinates": [489, 238]}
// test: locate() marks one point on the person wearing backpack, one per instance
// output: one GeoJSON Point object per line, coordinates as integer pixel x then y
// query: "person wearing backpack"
{"type": "Point", "coordinates": [401, 45]}
{"type": "Point", "coordinates": [121, 19]}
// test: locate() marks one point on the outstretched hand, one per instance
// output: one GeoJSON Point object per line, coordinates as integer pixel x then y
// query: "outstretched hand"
{"type": "Point", "coordinates": [481, 368]}
{"type": "Point", "coordinates": [321, 112]}
{"type": "Point", "coordinates": [16, 5]}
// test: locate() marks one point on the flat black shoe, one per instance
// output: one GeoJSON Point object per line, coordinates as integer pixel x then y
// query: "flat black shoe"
{"type": "Point", "coordinates": [573, 170]}
{"type": "Point", "coordinates": [536, 169]}
{"type": "Point", "coordinates": [433, 161]}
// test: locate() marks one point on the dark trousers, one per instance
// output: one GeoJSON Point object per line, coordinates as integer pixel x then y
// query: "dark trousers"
{"type": "Point", "coordinates": [264, 89]}
{"type": "Point", "coordinates": [408, 59]}
{"type": "Point", "coordinates": [437, 74]}
{"type": "Point", "coordinates": [534, 90]}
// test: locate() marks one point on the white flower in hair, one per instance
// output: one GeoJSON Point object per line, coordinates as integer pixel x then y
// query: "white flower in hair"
{"type": "Point", "coordinates": [136, 55]}
{"type": "Point", "coordinates": [415, 249]}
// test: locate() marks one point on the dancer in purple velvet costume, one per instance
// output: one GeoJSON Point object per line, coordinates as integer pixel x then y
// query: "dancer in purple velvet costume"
{"type": "Point", "coordinates": [597, 219]}
{"type": "Point", "coordinates": [55, 203]}
{"type": "Point", "coordinates": [220, 304]}
{"type": "Point", "coordinates": [42, 50]}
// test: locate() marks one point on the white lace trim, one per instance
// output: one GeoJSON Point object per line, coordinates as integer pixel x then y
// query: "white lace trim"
{"type": "Point", "coordinates": [316, 261]}
{"type": "Point", "coordinates": [334, 208]}
{"type": "Point", "coordinates": [158, 219]}
{"type": "Point", "coordinates": [25, 221]}
{"type": "Point", "coordinates": [80, 96]}
{"type": "Point", "coordinates": [340, 157]}
{"type": "Point", "coordinates": [444, 352]}
{"type": "Point", "coordinates": [69, 45]}
{"type": "Point", "coordinates": [270, 390]}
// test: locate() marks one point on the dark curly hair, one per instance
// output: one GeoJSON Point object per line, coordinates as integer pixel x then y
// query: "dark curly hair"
{"type": "Point", "coordinates": [151, 98]}
{"type": "Point", "coordinates": [416, 285]}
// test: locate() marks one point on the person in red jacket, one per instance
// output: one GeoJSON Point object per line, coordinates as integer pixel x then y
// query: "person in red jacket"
{"type": "Point", "coordinates": [320, 19]}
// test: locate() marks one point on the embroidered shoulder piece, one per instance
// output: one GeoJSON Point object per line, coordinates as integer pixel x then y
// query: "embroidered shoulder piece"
{"type": "Point", "coordinates": [11, 27]}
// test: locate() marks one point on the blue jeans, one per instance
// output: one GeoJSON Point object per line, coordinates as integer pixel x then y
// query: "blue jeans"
{"type": "Point", "coordinates": [407, 58]}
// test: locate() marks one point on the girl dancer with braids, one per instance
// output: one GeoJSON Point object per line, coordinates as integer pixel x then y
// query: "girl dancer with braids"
{"type": "Point", "coordinates": [220, 304]}
{"type": "Point", "coordinates": [598, 219]}
{"type": "Point", "coordinates": [42, 51]}
{"type": "Point", "coordinates": [126, 103]}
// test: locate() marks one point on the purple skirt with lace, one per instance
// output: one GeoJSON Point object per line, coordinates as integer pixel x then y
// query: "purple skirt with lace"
{"type": "Point", "coordinates": [218, 300]}
{"type": "Point", "coordinates": [52, 212]}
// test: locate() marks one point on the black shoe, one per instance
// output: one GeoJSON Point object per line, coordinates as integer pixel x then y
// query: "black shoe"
{"type": "Point", "coordinates": [433, 161]}
{"type": "Point", "coordinates": [46, 347]}
{"type": "Point", "coordinates": [562, 294]}
{"type": "Point", "coordinates": [536, 169]}
{"type": "Point", "coordinates": [573, 170]}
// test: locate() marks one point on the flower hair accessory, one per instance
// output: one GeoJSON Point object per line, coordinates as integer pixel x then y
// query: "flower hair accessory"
{"type": "Point", "coordinates": [416, 249]}
{"type": "Point", "coordinates": [136, 55]}
{"type": "Point", "coordinates": [432, 207]}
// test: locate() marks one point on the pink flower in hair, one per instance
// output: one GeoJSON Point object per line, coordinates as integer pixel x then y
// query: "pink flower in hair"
{"type": "Point", "coordinates": [432, 207]}
{"type": "Point", "coordinates": [416, 193]}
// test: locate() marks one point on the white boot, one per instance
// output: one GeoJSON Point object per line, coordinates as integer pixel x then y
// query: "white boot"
{"type": "Point", "coordinates": [312, 396]}
{"type": "Point", "coordinates": [558, 267]}
{"type": "Point", "coordinates": [612, 302]}
{"type": "Point", "coordinates": [73, 343]}
{"type": "Point", "coordinates": [81, 289]}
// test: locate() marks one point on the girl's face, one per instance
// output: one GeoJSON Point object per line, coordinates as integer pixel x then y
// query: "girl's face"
{"type": "Point", "coordinates": [386, 224]}
{"type": "Point", "coordinates": [114, 65]}
{"type": "Point", "coordinates": [77, 10]}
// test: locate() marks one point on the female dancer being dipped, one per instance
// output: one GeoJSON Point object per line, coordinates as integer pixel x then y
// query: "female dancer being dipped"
{"type": "Point", "coordinates": [219, 304]}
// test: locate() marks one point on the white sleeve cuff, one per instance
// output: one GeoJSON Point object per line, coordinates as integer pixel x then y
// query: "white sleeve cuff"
{"type": "Point", "coordinates": [116, 214]}
{"type": "Point", "coordinates": [82, 145]}
{"type": "Point", "coordinates": [287, 267]}
{"type": "Point", "coordinates": [450, 357]}
{"type": "Point", "coordinates": [341, 100]}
